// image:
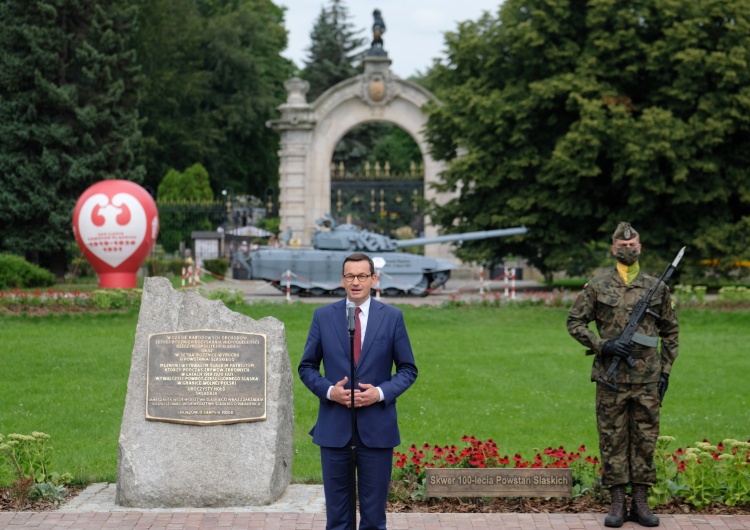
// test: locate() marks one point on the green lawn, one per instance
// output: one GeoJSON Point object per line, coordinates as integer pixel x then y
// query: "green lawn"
{"type": "Point", "coordinates": [512, 374]}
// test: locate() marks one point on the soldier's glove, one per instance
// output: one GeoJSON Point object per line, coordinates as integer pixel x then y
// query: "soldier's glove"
{"type": "Point", "coordinates": [662, 385]}
{"type": "Point", "coordinates": [617, 348]}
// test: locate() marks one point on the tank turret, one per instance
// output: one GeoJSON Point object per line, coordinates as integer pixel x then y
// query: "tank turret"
{"type": "Point", "coordinates": [317, 271]}
{"type": "Point", "coordinates": [349, 237]}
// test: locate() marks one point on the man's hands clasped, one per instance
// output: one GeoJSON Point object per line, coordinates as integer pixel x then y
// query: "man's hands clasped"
{"type": "Point", "coordinates": [365, 396]}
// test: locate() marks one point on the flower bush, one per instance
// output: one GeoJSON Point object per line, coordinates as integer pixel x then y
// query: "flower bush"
{"type": "Point", "coordinates": [98, 299]}
{"type": "Point", "coordinates": [734, 294]}
{"type": "Point", "coordinates": [555, 298]}
{"type": "Point", "coordinates": [409, 476]}
{"type": "Point", "coordinates": [44, 298]}
{"type": "Point", "coordinates": [702, 474]}
{"type": "Point", "coordinates": [689, 295]}
{"type": "Point", "coordinates": [695, 295]}
{"type": "Point", "coordinates": [696, 476]}
{"type": "Point", "coordinates": [102, 299]}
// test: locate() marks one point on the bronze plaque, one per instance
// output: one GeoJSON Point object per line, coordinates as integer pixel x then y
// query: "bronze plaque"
{"type": "Point", "coordinates": [206, 377]}
{"type": "Point", "coordinates": [499, 482]}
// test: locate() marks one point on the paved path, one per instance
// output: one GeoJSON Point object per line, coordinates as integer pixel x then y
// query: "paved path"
{"type": "Point", "coordinates": [100, 497]}
{"type": "Point", "coordinates": [316, 521]}
{"type": "Point", "coordinates": [302, 508]}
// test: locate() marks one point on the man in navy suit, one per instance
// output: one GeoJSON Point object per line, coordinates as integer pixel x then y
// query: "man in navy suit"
{"type": "Point", "coordinates": [384, 344]}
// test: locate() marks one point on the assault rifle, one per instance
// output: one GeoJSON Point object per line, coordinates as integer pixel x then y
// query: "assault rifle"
{"type": "Point", "coordinates": [629, 334]}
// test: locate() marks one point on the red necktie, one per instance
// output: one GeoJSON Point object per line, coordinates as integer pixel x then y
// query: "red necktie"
{"type": "Point", "coordinates": [357, 336]}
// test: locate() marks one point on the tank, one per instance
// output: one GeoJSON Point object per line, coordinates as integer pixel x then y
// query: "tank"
{"type": "Point", "coordinates": [317, 271]}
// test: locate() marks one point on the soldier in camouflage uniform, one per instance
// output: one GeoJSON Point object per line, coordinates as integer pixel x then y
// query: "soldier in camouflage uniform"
{"type": "Point", "coordinates": [627, 418]}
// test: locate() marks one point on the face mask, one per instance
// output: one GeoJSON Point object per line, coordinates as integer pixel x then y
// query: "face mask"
{"type": "Point", "coordinates": [627, 255]}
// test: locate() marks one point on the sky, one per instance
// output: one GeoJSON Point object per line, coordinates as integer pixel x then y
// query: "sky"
{"type": "Point", "coordinates": [414, 32]}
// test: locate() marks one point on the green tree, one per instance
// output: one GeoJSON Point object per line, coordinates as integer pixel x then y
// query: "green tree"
{"type": "Point", "coordinates": [397, 147]}
{"type": "Point", "coordinates": [68, 116]}
{"type": "Point", "coordinates": [214, 76]}
{"type": "Point", "coordinates": [332, 55]}
{"type": "Point", "coordinates": [377, 142]}
{"type": "Point", "coordinates": [191, 185]}
{"type": "Point", "coordinates": [569, 116]}
{"type": "Point", "coordinates": [186, 203]}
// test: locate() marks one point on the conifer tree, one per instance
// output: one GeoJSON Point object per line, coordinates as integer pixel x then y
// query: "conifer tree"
{"type": "Point", "coordinates": [332, 55]}
{"type": "Point", "coordinates": [68, 97]}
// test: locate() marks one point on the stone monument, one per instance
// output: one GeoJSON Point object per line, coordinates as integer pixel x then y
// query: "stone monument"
{"type": "Point", "coordinates": [209, 417]}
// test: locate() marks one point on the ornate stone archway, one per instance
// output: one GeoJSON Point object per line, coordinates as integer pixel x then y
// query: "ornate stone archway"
{"type": "Point", "coordinates": [310, 132]}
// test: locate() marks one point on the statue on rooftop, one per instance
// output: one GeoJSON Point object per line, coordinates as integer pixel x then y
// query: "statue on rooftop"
{"type": "Point", "coordinates": [378, 28]}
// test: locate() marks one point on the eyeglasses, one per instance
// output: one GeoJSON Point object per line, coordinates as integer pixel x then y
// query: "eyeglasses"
{"type": "Point", "coordinates": [361, 277]}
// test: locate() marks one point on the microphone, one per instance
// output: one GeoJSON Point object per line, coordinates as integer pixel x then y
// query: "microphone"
{"type": "Point", "coordinates": [350, 307]}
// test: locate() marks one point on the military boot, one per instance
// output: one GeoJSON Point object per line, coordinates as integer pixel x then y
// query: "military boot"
{"type": "Point", "coordinates": [617, 509]}
{"type": "Point", "coordinates": [639, 510]}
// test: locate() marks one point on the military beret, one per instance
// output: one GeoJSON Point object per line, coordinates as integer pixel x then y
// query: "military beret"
{"type": "Point", "coordinates": [625, 232]}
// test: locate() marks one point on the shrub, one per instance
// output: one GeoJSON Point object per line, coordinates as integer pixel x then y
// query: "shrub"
{"type": "Point", "coordinates": [687, 295]}
{"type": "Point", "coordinates": [734, 294]}
{"type": "Point", "coordinates": [116, 298]}
{"type": "Point", "coordinates": [81, 268]}
{"type": "Point", "coordinates": [164, 266]}
{"type": "Point", "coordinates": [78, 265]}
{"type": "Point", "coordinates": [27, 457]}
{"type": "Point", "coordinates": [702, 474]}
{"type": "Point", "coordinates": [101, 299]}
{"type": "Point", "coordinates": [217, 267]}
{"type": "Point", "coordinates": [235, 297]}
{"type": "Point", "coordinates": [17, 272]}
{"type": "Point", "coordinates": [49, 492]}
{"type": "Point", "coordinates": [270, 224]}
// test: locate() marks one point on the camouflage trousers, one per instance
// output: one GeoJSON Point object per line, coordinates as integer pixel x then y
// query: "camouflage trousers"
{"type": "Point", "coordinates": [628, 423]}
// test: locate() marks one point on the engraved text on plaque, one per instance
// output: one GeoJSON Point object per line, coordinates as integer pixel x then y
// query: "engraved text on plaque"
{"type": "Point", "coordinates": [206, 377]}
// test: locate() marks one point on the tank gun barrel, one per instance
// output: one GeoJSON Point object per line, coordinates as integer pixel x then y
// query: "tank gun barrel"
{"type": "Point", "coordinates": [468, 236]}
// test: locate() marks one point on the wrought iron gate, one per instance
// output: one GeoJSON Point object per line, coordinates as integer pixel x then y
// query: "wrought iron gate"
{"type": "Point", "coordinates": [379, 200]}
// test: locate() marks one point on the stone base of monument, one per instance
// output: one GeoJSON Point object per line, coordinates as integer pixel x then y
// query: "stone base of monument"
{"type": "Point", "coordinates": [209, 416]}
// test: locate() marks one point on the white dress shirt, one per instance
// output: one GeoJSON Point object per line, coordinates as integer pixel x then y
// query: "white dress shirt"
{"type": "Point", "coordinates": [363, 314]}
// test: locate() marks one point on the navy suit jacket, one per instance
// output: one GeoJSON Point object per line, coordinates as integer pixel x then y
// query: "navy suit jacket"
{"type": "Point", "coordinates": [386, 345]}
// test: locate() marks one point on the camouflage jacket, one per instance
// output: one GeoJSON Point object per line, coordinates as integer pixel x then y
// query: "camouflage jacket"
{"type": "Point", "coordinates": [607, 301]}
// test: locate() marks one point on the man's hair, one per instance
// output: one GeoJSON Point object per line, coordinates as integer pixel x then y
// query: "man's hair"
{"type": "Point", "coordinates": [359, 257]}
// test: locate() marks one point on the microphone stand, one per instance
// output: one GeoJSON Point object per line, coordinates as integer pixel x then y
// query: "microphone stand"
{"type": "Point", "coordinates": [353, 448]}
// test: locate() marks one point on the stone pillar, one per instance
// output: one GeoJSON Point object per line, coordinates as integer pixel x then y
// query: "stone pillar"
{"type": "Point", "coordinates": [296, 126]}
